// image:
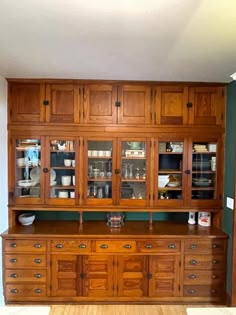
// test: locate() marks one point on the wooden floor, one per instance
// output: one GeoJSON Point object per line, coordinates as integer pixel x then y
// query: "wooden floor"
{"type": "Point", "coordinates": [120, 309]}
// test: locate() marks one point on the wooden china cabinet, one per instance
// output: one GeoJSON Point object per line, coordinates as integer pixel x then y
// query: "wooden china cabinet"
{"type": "Point", "coordinates": [81, 150]}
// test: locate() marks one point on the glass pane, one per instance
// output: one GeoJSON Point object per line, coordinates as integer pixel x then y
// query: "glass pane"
{"type": "Point", "coordinates": [204, 166]}
{"type": "Point", "coordinates": [99, 169]}
{"type": "Point", "coordinates": [62, 169]}
{"type": "Point", "coordinates": [28, 161]}
{"type": "Point", "coordinates": [133, 172]}
{"type": "Point", "coordinates": [170, 170]}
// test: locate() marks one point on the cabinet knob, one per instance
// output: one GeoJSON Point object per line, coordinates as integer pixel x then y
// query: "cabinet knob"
{"type": "Point", "coordinates": [191, 291]}
{"type": "Point", "coordinates": [37, 261]}
{"type": "Point", "coordinates": [171, 246]}
{"type": "Point", "coordinates": [213, 291]}
{"type": "Point", "coordinates": [104, 246]}
{"type": "Point", "coordinates": [148, 246]}
{"type": "Point", "coordinates": [127, 246]}
{"type": "Point", "coordinates": [37, 246]}
{"type": "Point", "coordinates": [214, 277]}
{"type": "Point", "coordinates": [117, 171]}
{"type": "Point", "coordinates": [14, 291]}
{"type": "Point", "coordinates": [82, 275]}
{"type": "Point", "coordinates": [214, 246]}
{"type": "Point", "coordinates": [192, 276]}
{"type": "Point", "coordinates": [187, 172]}
{"type": "Point", "coordinates": [45, 170]}
{"type": "Point", "coordinates": [149, 276]}
{"type": "Point", "coordinates": [38, 291]}
{"type": "Point", "coordinates": [13, 245]}
{"type": "Point", "coordinates": [214, 262]}
{"type": "Point", "coordinates": [193, 262]}
{"type": "Point", "coordinates": [13, 260]}
{"type": "Point", "coordinates": [59, 246]}
{"type": "Point", "coordinates": [38, 275]}
{"type": "Point", "coordinates": [14, 275]}
{"type": "Point", "coordinates": [82, 245]}
{"type": "Point", "coordinates": [193, 246]}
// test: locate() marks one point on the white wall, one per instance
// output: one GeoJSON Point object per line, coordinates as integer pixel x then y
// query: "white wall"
{"type": "Point", "coordinates": [3, 170]}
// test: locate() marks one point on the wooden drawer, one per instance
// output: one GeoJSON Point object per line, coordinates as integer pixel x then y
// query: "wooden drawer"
{"type": "Point", "coordinates": [210, 277]}
{"type": "Point", "coordinates": [115, 246]}
{"type": "Point", "coordinates": [205, 262]}
{"type": "Point", "coordinates": [78, 246]}
{"type": "Point", "coordinates": [25, 261]}
{"type": "Point", "coordinates": [211, 246]}
{"type": "Point", "coordinates": [21, 290]}
{"type": "Point", "coordinates": [155, 246]}
{"type": "Point", "coordinates": [16, 245]}
{"type": "Point", "coordinates": [203, 290]}
{"type": "Point", "coordinates": [21, 275]}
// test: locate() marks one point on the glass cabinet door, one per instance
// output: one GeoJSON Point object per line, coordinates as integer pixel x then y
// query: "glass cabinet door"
{"type": "Point", "coordinates": [27, 175]}
{"type": "Point", "coordinates": [204, 171]}
{"type": "Point", "coordinates": [133, 173]}
{"type": "Point", "coordinates": [62, 178]}
{"type": "Point", "coordinates": [99, 172]}
{"type": "Point", "coordinates": [170, 172]}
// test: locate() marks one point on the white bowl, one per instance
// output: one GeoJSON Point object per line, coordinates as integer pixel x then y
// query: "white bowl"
{"type": "Point", "coordinates": [26, 218]}
{"type": "Point", "coordinates": [26, 183]}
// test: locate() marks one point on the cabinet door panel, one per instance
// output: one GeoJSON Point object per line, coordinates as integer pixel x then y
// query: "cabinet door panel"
{"type": "Point", "coordinates": [135, 104]}
{"type": "Point", "coordinates": [99, 103]}
{"type": "Point", "coordinates": [26, 102]}
{"type": "Point", "coordinates": [164, 272]}
{"type": "Point", "coordinates": [64, 103]}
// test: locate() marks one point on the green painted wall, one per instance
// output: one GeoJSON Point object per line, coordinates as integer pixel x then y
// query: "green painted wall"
{"type": "Point", "coordinates": [230, 146]}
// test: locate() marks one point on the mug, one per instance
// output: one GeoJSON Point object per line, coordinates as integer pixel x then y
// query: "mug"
{"type": "Point", "coordinates": [63, 194]}
{"type": "Point", "coordinates": [65, 180]}
{"type": "Point", "coordinates": [73, 163]}
{"type": "Point", "coordinates": [72, 194]}
{"type": "Point", "coordinates": [67, 162]}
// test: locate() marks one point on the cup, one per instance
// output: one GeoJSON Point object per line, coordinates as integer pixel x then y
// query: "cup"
{"type": "Point", "coordinates": [100, 153]}
{"type": "Point", "coordinates": [66, 180]}
{"type": "Point", "coordinates": [72, 194]}
{"type": "Point", "coordinates": [94, 153]}
{"type": "Point", "coordinates": [63, 194]}
{"type": "Point", "coordinates": [89, 152]}
{"type": "Point", "coordinates": [108, 153]}
{"type": "Point", "coordinates": [73, 163]}
{"type": "Point", "coordinates": [67, 162]}
{"type": "Point", "coordinates": [73, 180]}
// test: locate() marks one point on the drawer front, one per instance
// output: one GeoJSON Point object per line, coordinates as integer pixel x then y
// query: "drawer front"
{"type": "Point", "coordinates": [80, 246]}
{"type": "Point", "coordinates": [16, 245]}
{"type": "Point", "coordinates": [25, 261]}
{"type": "Point", "coordinates": [203, 290]}
{"type": "Point", "coordinates": [115, 246]}
{"type": "Point", "coordinates": [21, 275]}
{"type": "Point", "coordinates": [211, 246]}
{"type": "Point", "coordinates": [205, 262]}
{"type": "Point", "coordinates": [210, 277]}
{"type": "Point", "coordinates": [21, 290]}
{"type": "Point", "coordinates": [159, 246]}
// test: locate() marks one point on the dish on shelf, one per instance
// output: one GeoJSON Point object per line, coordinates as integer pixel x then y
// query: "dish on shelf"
{"type": "Point", "coordinates": [201, 182]}
{"type": "Point", "coordinates": [35, 175]}
{"type": "Point", "coordinates": [173, 184]}
{"type": "Point", "coordinates": [26, 183]}
{"type": "Point", "coordinates": [201, 165]}
{"type": "Point", "coordinates": [53, 183]}
{"type": "Point", "coordinates": [163, 180]}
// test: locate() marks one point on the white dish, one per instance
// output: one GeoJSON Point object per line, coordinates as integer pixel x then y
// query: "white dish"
{"type": "Point", "coordinates": [26, 218]}
{"type": "Point", "coordinates": [26, 183]}
{"type": "Point", "coordinates": [174, 184]}
{"type": "Point", "coordinates": [53, 183]}
{"type": "Point", "coordinates": [35, 174]}
{"type": "Point", "coordinates": [53, 175]}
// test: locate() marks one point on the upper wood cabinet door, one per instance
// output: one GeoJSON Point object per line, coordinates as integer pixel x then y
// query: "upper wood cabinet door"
{"type": "Point", "coordinates": [134, 104]}
{"type": "Point", "coordinates": [207, 105]}
{"type": "Point", "coordinates": [63, 103]}
{"type": "Point", "coordinates": [99, 103]}
{"type": "Point", "coordinates": [25, 102]}
{"type": "Point", "coordinates": [170, 105]}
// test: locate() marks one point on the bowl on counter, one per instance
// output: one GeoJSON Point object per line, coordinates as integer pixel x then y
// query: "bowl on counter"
{"type": "Point", "coordinates": [26, 218]}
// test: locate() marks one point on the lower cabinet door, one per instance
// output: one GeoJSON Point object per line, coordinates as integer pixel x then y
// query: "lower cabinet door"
{"type": "Point", "coordinates": [164, 276]}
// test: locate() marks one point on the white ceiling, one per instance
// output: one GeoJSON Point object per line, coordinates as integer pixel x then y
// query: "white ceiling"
{"type": "Point", "coordinates": [161, 40]}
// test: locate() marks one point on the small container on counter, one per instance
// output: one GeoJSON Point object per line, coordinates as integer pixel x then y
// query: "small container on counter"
{"type": "Point", "coordinates": [204, 218]}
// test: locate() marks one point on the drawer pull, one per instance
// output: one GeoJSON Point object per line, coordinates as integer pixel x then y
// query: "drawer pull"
{"type": "Point", "coordinates": [214, 262]}
{"type": "Point", "coordinates": [104, 246]}
{"type": "Point", "coordinates": [171, 246]}
{"type": "Point", "coordinates": [148, 246]}
{"type": "Point", "coordinates": [13, 260]}
{"type": "Point", "coordinates": [82, 245]}
{"type": "Point", "coordinates": [193, 246]}
{"type": "Point", "coordinates": [14, 275]}
{"type": "Point", "coordinates": [191, 291]}
{"type": "Point", "coordinates": [192, 276]}
{"type": "Point", "coordinates": [59, 246]}
{"type": "Point", "coordinates": [38, 275]}
{"type": "Point", "coordinates": [37, 246]}
{"type": "Point", "coordinates": [13, 245]}
{"type": "Point", "coordinates": [14, 291]}
{"type": "Point", "coordinates": [127, 246]}
{"type": "Point", "coordinates": [38, 291]}
{"type": "Point", "coordinates": [37, 261]}
{"type": "Point", "coordinates": [213, 291]}
{"type": "Point", "coordinates": [214, 277]}
{"type": "Point", "coordinates": [193, 262]}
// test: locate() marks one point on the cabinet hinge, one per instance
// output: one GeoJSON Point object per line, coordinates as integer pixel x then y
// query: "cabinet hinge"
{"type": "Point", "coordinates": [117, 104]}
{"type": "Point", "coordinates": [189, 105]}
{"type": "Point", "coordinates": [45, 102]}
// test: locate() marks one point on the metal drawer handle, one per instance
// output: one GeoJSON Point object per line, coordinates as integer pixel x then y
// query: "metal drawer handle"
{"type": "Point", "coordinates": [104, 246]}
{"type": "Point", "coordinates": [13, 260]}
{"type": "Point", "coordinates": [193, 262]}
{"type": "Point", "coordinates": [127, 246]}
{"type": "Point", "coordinates": [191, 291]}
{"type": "Point", "coordinates": [213, 291]}
{"type": "Point", "coordinates": [38, 291]}
{"type": "Point", "coordinates": [192, 276]}
{"type": "Point", "coordinates": [38, 275]}
{"type": "Point", "coordinates": [214, 262]}
{"type": "Point", "coordinates": [59, 246]}
{"type": "Point", "coordinates": [82, 245]}
{"type": "Point", "coordinates": [37, 261]}
{"type": "Point", "coordinates": [148, 246]}
{"type": "Point", "coordinates": [214, 277]}
{"type": "Point", "coordinates": [192, 246]}
{"type": "Point", "coordinates": [13, 245]}
{"type": "Point", "coordinates": [14, 291]}
{"type": "Point", "coordinates": [172, 246]}
{"type": "Point", "coordinates": [37, 245]}
{"type": "Point", "coordinates": [14, 275]}
{"type": "Point", "coordinates": [214, 246]}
